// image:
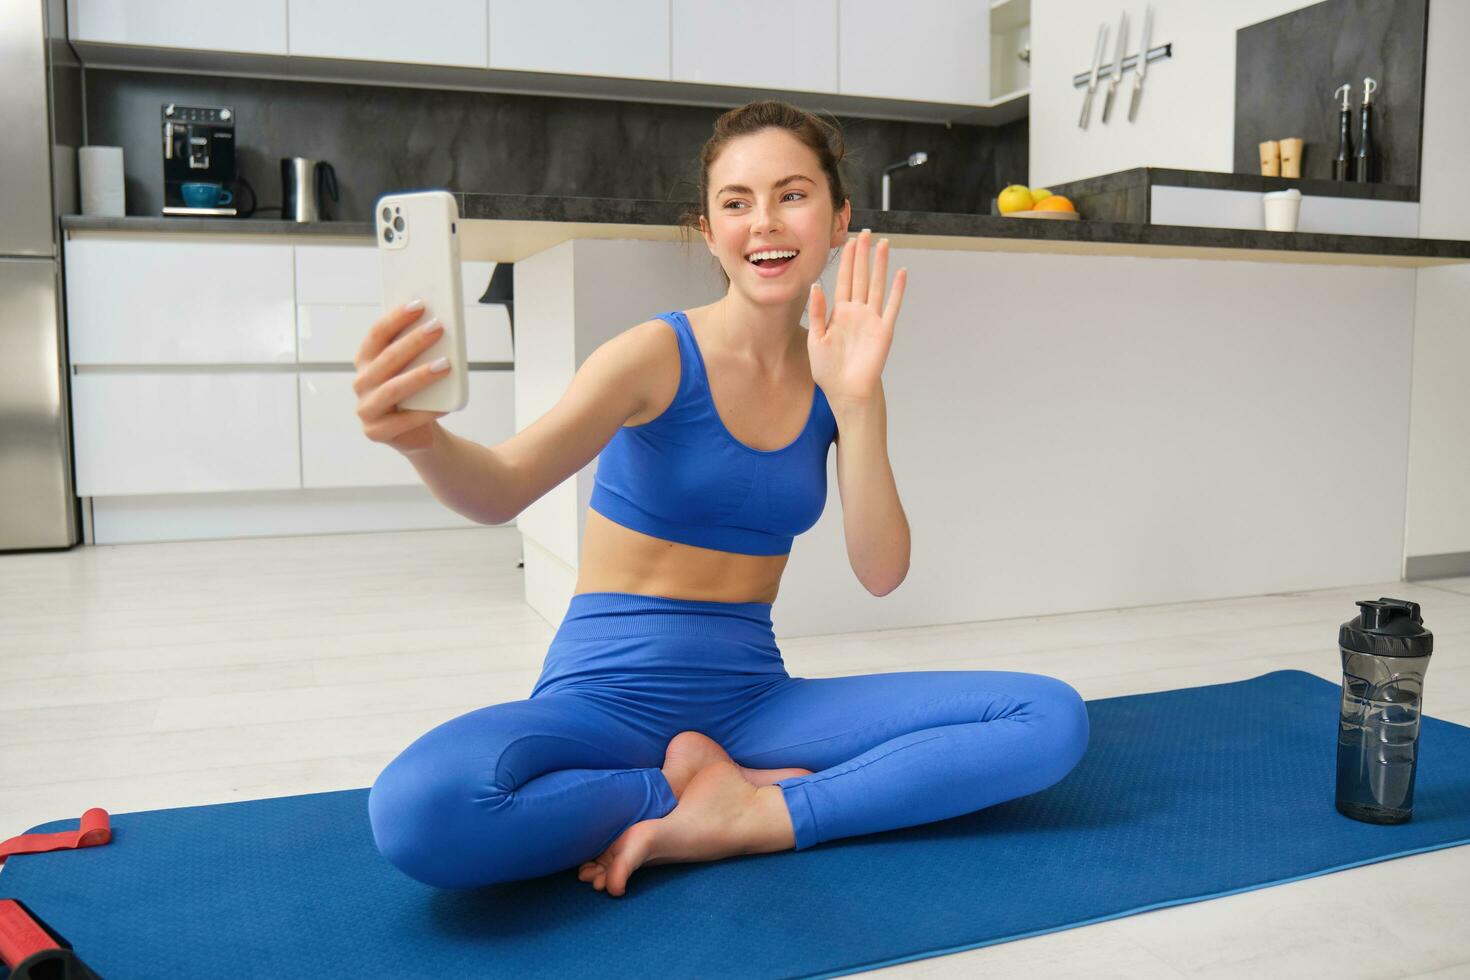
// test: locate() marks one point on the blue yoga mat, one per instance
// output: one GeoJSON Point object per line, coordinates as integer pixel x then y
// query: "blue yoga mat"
{"type": "Point", "coordinates": [1183, 795]}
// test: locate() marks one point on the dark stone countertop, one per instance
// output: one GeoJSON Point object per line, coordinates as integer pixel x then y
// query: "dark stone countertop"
{"type": "Point", "coordinates": [919, 228]}
{"type": "Point", "coordinates": [224, 226]}
{"type": "Point", "coordinates": [596, 210]}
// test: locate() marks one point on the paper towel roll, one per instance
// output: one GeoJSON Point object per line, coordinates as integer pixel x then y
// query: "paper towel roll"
{"type": "Point", "coordinates": [101, 175]}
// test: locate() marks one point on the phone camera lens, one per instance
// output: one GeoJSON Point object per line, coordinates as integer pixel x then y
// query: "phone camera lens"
{"type": "Point", "coordinates": [387, 234]}
{"type": "Point", "coordinates": [387, 215]}
{"type": "Point", "coordinates": [398, 223]}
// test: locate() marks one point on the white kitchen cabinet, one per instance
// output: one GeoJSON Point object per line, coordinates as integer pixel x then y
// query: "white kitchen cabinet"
{"type": "Point", "coordinates": [337, 301]}
{"type": "Point", "coordinates": [143, 301]}
{"type": "Point", "coordinates": [425, 32]}
{"type": "Point", "coordinates": [581, 37]}
{"type": "Point", "coordinates": [336, 453]}
{"type": "Point", "coordinates": [255, 26]}
{"type": "Point", "coordinates": [338, 273]}
{"type": "Point", "coordinates": [184, 432]}
{"type": "Point", "coordinates": [767, 44]}
{"type": "Point", "coordinates": [1010, 35]}
{"type": "Point", "coordinates": [333, 333]}
{"type": "Point", "coordinates": [924, 50]}
{"type": "Point", "coordinates": [328, 274]}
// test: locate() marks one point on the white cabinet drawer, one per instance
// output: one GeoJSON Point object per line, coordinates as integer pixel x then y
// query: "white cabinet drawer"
{"type": "Point", "coordinates": [338, 300]}
{"type": "Point", "coordinates": [184, 432]}
{"type": "Point", "coordinates": [337, 274]}
{"type": "Point", "coordinates": [257, 26]}
{"type": "Point", "coordinates": [929, 51]}
{"type": "Point", "coordinates": [342, 274]}
{"type": "Point", "coordinates": [800, 56]}
{"type": "Point", "coordinates": [171, 302]}
{"type": "Point", "coordinates": [336, 453]}
{"type": "Point", "coordinates": [333, 334]}
{"type": "Point", "coordinates": [582, 37]}
{"type": "Point", "coordinates": [425, 32]}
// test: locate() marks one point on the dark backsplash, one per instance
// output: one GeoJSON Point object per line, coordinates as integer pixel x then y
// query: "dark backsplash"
{"type": "Point", "coordinates": [385, 138]}
{"type": "Point", "coordinates": [1286, 69]}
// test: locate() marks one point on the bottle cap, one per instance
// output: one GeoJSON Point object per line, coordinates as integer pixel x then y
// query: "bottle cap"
{"type": "Point", "coordinates": [1387, 628]}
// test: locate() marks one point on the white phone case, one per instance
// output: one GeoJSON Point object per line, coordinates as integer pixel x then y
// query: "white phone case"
{"type": "Point", "coordinates": [418, 258]}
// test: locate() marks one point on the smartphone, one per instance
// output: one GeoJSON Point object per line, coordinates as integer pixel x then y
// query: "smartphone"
{"type": "Point", "coordinates": [418, 258]}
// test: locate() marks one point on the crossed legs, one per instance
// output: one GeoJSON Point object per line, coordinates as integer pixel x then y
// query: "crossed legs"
{"type": "Point", "coordinates": [527, 788]}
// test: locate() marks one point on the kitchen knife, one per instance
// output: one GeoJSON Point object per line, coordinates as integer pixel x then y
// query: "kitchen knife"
{"type": "Point", "coordinates": [1142, 66]}
{"type": "Point", "coordinates": [1122, 49]}
{"type": "Point", "coordinates": [1102, 40]}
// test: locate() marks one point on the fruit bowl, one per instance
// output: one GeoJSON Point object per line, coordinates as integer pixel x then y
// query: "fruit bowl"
{"type": "Point", "coordinates": [1053, 215]}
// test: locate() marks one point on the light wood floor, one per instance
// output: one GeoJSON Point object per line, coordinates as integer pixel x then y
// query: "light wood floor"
{"type": "Point", "coordinates": [137, 677]}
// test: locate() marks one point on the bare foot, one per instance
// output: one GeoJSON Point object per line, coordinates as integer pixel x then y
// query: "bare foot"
{"type": "Point", "coordinates": [689, 752]}
{"type": "Point", "coordinates": [720, 815]}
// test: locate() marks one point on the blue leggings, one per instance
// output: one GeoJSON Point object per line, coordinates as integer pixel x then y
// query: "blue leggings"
{"type": "Point", "coordinates": [526, 788]}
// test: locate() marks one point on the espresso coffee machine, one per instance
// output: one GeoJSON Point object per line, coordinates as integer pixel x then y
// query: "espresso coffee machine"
{"type": "Point", "coordinates": [198, 151]}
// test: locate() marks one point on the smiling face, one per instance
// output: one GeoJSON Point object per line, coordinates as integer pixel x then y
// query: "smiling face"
{"type": "Point", "coordinates": [768, 194]}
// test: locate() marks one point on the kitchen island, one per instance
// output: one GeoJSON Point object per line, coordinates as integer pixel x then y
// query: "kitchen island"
{"type": "Point", "coordinates": [1082, 415]}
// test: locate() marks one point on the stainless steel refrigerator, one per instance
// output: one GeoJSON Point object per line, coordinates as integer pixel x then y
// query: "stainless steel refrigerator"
{"type": "Point", "coordinates": [40, 128]}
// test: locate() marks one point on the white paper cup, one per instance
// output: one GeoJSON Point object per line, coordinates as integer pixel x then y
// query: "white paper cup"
{"type": "Point", "coordinates": [100, 172]}
{"type": "Point", "coordinates": [1282, 208]}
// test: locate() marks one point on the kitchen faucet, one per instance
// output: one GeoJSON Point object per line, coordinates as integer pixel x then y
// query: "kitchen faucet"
{"type": "Point", "coordinates": [913, 160]}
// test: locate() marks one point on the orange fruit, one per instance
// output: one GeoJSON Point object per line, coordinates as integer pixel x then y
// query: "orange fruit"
{"type": "Point", "coordinates": [1055, 202]}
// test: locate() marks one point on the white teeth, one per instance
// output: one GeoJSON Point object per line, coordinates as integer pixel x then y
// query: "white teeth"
{"type": "Point", "coordinates": [771, 255]}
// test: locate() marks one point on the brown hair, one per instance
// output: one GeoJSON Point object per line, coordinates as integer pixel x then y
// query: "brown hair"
{"type": "Point", "coordinates": [825, 140]}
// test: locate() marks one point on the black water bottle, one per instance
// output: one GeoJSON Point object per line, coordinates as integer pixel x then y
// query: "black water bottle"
{"type": "Point", "coordinates": [1385, 652]}
{"type": "Point", "coordinates": [1367, 166]}
{"type": "Point", "coordinates": [1342, 164]}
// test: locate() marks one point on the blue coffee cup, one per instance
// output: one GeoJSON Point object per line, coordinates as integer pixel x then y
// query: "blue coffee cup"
{"type": "Point", "coordinates": [205, 195]}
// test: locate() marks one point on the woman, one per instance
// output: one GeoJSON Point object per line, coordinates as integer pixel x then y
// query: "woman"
{"type": "Point", "coordinates": [664, 726]}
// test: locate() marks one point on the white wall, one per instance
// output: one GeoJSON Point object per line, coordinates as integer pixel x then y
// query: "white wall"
{"type": "Point", "coordinates": [1186, 118]}
{"type": "Point", "coordinates": [1438, 520]}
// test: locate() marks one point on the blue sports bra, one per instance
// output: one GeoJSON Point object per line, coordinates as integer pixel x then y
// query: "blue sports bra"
{"type": "Point", "coordinates": [683, 477]}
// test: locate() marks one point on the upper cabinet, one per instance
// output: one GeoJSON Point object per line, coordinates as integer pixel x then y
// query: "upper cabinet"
{"type": "Point", "coordinates": [252, 26]}
{"type": "Point", "coordinates": [1010, 48]}
{"type": "Point", "coordinates": [425, 32]}
{"type": "Point", "coordinates": [790, 45]}
{"type": "Point", "coordinates": [923, 50]}
{"type": "Point", "coordinates": [926, 60]}
{"type": "Point", "coordinates": [629, 39]}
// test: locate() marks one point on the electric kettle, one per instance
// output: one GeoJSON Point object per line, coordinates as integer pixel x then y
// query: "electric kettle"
{"type": "Point", "coordinates": [305, 187]}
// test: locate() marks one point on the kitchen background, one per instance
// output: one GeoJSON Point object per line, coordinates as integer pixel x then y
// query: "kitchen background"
{"type": "Point", "coordinates": [402, 109]}
{"type": "Point", "coordinates": [381, 138]}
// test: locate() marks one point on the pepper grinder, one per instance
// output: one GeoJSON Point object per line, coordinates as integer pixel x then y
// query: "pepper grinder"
{"type": "Point", "coordinates": [1367, 167]}
{"type": "Point", "coordinates": [1342, 164]}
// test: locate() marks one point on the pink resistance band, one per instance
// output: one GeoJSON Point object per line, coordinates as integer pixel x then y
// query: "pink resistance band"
{"type": "Point", "coordinates": [94, 830]}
